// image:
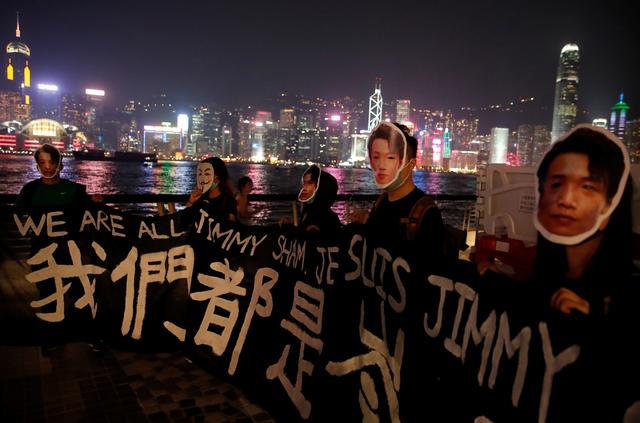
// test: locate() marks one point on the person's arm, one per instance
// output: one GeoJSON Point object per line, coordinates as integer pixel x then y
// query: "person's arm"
{"type": "Point", "coordinates": [566, 301]}
{"type": "Point", "coordinates": [232, 207]}
{"type": "Point", "coordinates": [243, 207]}
{"type": "Point", "coordinates": [195, 195]}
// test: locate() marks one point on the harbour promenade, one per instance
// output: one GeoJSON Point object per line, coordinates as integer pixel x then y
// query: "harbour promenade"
{"type": "Point", "coordinates": [75, 384]}
{"type": "Point", "coordinates": [72, 383]}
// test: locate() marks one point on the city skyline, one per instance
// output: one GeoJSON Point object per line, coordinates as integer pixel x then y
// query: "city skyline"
{"type": "Point", "coordinates": [231, 54]}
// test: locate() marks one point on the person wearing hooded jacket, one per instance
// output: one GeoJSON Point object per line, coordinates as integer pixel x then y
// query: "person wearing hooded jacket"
{"type": "Point", "coordinates": [318, 193]}
{"type": "Point", "coordinates": [213, 192]}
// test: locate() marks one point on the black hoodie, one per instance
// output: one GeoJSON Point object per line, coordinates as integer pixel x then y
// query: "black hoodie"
{"type": "Point", "coordinates": [318, 215]}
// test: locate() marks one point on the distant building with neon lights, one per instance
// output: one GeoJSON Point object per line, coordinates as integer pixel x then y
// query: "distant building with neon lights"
{"type": "Point", "coordinates": [618, 119]}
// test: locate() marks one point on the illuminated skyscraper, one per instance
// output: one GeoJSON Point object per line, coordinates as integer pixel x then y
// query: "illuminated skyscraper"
{"type": "Point", "coordinates": [403, 111]}
{"type": "Point", "coordinates": [46, 102]}
{"type": "Point", "coordinates": [525, 144]}
{"type": "Point", "coordinates": [94, 112]}
{"type": "Point", "coordinates": [375, 106]}
{"type": "Point", "coordinates": [13, 108]}
{"type": "Point", "coordinates": [74, 111]}
{"type": "Point", "coordinates": [198, 142]}
{"type": "Point", "coordinates": [499, 145]}
{"type": "Point", "coordinates": [632, 135]}
{"type": "Point", "coordinates": [541, 142]}
{"type": "Point", "coordinates": [287, 118]}
{"type": "Point", "coordinates": [532, 143]}
{"type": "Point", "coordinates": [227, 141]}
{"type": "Point", "coordinates": [565, 105]}
{"type": "Point", "coordinates": [262, 147]}
{"type": "Point", "coordinates": [618, 118]}
{"type": "Point", "coordinates": [16, 76]}
{"type": "Point", "coordinates": [359, 147]}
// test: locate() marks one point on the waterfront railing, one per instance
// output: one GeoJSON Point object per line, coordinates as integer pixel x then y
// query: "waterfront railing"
{"type": "Point", "coordinates": [457, 210]}
{"type": "Point", "coordinates": [182, 198]}
{"type": "Point", "coordinates": [271, 207]}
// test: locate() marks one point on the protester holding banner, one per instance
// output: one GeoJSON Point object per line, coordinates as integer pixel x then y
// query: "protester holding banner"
{"type": "Point", "coordinates": [403, 211]}
{"type": "Point", "coordinates": [584, 218]}
{"type": "Point", "coordinates": [584, 258]}
{"type": "Point", "coordinates": [49, 191]}
{"type": "Point", "coordinates": [317, 195]}
{"type": "Point", "coordinates": [213, 192]}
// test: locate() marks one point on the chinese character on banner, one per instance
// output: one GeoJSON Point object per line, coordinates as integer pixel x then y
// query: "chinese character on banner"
{"type": "Point", "coordinates": [389, 367]}
{"type": "Point", "coordinates": [58, 272]}
{"type": "Point", "coordinates": [306, 309]}
{"type": "Point", "coordinates": [155, 267]}
{"type": "Point", "coordinates": [228, 283]}
{"type": "Point", "coordinates": [261, 291]}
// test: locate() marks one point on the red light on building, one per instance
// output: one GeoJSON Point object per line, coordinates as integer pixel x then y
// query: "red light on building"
{"type": "Point", "coordinates": [512, 159]}
{"type": "Point", "coordinates": [8, 141]}
{"type": "Point", "coordinates": [59, 144]}
{"type": "Point", "coordinates": [31, 144]}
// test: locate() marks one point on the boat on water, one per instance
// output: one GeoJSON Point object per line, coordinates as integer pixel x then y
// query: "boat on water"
{"type": "Point", "coordinates": [116, 156]}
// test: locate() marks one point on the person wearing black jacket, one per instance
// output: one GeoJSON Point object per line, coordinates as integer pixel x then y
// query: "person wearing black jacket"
{"type": "Point", "coordinates": [318, 193]}
{"type": "Point", "coordinates": [213, 192]}
{"type": "Point", "coordinates": [584, 268]}
{"type": "Point", "coordinates": [392, 155]}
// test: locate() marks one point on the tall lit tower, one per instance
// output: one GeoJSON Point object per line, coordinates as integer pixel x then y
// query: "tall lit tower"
{"type": "Point", "coordinates": [618, 118]}
{"type": "Point", "coordinates": [403, 111]}
{"type": "Point", "coordinates": [15, 81]}
{"type": "Point", "coordinates": [17, 73]}
{"type": "Point", "coordinates": [565, 105]}
{"type": "Point", "coordinates": [499, 145]}
{"type": "Point", "coordinates": [375, 106]}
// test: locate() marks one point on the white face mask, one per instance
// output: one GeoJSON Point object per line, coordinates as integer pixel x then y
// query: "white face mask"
{"type": "Point", "coordinates": [205, 176]}
{"type": "Point", "coordinates": [47, 172]}
{"type": "Point", "coordinates": [382, 179]}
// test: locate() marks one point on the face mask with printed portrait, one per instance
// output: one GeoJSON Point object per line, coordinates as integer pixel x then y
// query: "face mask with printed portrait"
{"type": "Point", "coordinates": [47, 166]}
{"type": "Point", "coordinates": [388, 158]}
{"type": "Point", "coordinates": [580, 182]}
{"type": "Point", "coordinates": [310, 184]}
{"type": "Point", "coordinates": [205, 177]}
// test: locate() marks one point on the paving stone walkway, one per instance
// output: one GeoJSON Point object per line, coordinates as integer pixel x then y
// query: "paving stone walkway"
{"type": "Point", "coordinates": [74, 384]}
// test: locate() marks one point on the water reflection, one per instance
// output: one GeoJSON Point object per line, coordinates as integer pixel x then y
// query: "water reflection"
{"type": "Point", "coordinates": [171, 177]}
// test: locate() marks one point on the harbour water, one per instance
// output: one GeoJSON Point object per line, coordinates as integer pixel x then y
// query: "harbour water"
{"type": "Point", "coordinates": [178, 177]}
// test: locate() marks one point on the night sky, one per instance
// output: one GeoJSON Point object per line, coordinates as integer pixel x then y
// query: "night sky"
{"type": "Point", "coordinates": [235, 53]}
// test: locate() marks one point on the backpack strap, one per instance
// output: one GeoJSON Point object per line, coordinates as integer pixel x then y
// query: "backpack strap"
{"type": "Point", "coordinates": [416, 215]}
